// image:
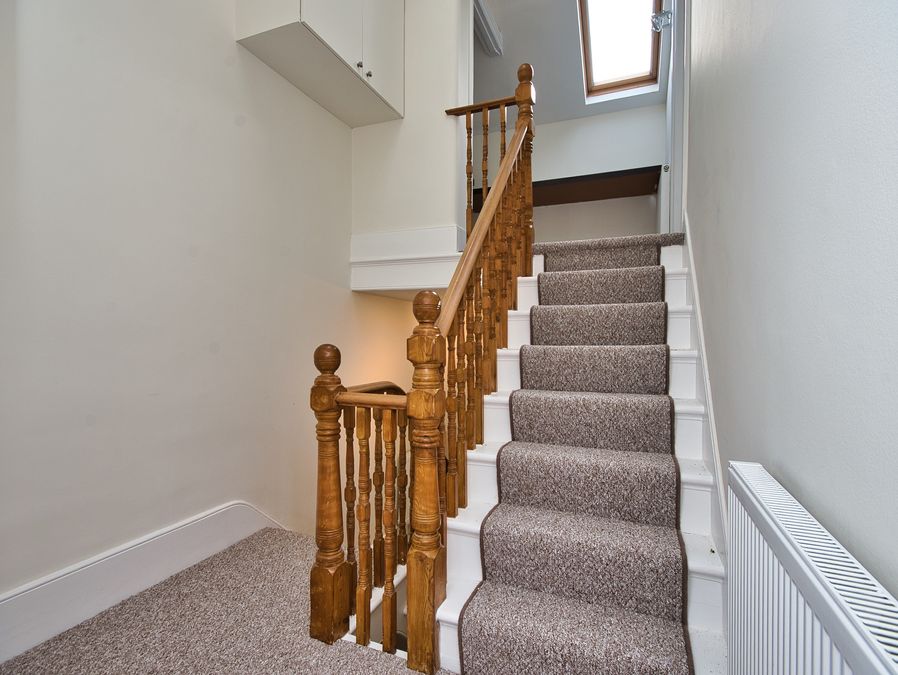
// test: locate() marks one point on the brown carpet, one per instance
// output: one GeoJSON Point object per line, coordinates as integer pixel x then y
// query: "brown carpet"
{"type": "Point", "coordinates": [244, 610]}
{"type": "Point", "coordinates": [582, 562]}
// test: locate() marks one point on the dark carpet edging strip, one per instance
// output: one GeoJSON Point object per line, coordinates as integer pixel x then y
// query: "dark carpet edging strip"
{"type": "Point", "coordinates": [671, 239]}
{"type": "Point", "coordinates": [461, 619]}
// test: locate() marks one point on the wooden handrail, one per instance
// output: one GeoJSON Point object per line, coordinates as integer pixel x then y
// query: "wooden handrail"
{"type": "Point", "coordinates": [478, 107]}
{"type": "Point", "coordinates": [456, 289]}
{"type": "Point", "coordinates": [382, 387]}
{"type": "Point", "coordinates": [367, 400]}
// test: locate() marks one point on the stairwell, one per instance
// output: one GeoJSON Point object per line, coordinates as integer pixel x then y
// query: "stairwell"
{"type": "Point", "coordinates": [586, 544]}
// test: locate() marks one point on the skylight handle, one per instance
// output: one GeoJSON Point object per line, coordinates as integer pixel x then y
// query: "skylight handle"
{"type": "Point", "coordinates": [661, 20]}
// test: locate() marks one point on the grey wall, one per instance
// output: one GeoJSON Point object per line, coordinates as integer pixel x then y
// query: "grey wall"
{"type": "Point", "coordinates": [792, 202]}
{"type": "Point", "coordinates": [592, 220]}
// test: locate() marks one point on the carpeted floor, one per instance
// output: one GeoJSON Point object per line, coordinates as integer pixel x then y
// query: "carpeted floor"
{"type": "Point", "coordinates": [245, 610]}
{"type": "Point", "coordinates": [582, 561]}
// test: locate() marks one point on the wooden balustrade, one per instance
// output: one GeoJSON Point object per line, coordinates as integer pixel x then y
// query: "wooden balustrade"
{"type": "Point", "coordinates": [453, 350]}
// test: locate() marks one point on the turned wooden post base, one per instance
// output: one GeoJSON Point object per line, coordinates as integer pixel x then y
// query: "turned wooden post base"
{"type": "Point", "coordinates": [329, 596]}
{"type": "Point", "coordinates": [426, 592]}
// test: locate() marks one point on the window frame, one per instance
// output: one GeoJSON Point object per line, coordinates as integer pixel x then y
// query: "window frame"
{"type": "Point", "coordinates": [617, 85]}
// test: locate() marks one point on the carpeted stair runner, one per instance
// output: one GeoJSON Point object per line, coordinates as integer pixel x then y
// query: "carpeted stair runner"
{"type": "Point", "coordinates": [634, 422]}
{"type": "Point", "coordinates": [642, 323]}
{"type": "Point", "coordinates": [582, 561]}
{"type": "Point", "coordinates": [635, 369]}
{"type": "Point", "coordinates": [636, 486]}
{"type": "Point", "coordinates": [596, 254]}
{"type": "Point", "coordinates": [598, 287]}
{"type": "Point", "coordinates": [598, 560]}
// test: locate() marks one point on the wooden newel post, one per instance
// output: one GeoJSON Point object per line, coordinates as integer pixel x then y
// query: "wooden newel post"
{"type": "Point", "coordinates": [525, 95]}
{"type": "Point", "coordinates": [426, 558]}
{"type": "Point", "coordinates": [330, 578]}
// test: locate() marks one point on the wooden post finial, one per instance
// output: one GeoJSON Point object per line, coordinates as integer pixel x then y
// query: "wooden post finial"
{"type": "Point", "coordinates": [426, 307]}
{"type": "Point", "coordinates": [525, 73]}
{"type": "Point", "coordinates": [327, 359]}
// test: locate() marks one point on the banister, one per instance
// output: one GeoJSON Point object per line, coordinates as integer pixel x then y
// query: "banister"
{"type": "Point", "coordinates": [478, 107]}
{"type": "Point", "coordinates": [412, 446]}
{"type": "Point", "coordinates": [468, 259]}
{"type": "Point", "coordinates": [369, 400]}
{"type": "Point", "coordinates": [381, 387]}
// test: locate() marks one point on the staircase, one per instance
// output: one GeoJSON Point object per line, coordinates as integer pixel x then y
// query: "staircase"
{"type": "Point", "coordinates": [539, 501]}
{"type": "Point", "coordinates": [586, 544]}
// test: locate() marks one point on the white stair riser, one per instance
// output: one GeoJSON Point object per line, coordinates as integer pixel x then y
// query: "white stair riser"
{"type": "Point", "coordinates": [539, 264]}
{"type": "Point", "coordinates": [676, 290]}
{"type": "Point", "coordinates": [673, 256]}
{"type": "Point", "coordinates": [682, 372]}
{"type": "Point", "coordinates": [695, 500]}
{"type": "Point", "coordinates": [704, 594]}
{"type": "Point", "coordinates": [679, 328]}
{"type": "Point", "coordinates": [688, 427]}
{"type": "Point", "coordinates": [449, 654]}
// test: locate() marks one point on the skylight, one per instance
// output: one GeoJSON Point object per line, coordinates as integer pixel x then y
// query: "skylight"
{"type": "Point", "coordinates": [620, 48]}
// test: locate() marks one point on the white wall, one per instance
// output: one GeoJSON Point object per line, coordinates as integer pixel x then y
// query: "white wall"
{"type": "Point", "coordinates": [628, 139]}
{"type": "Point", "coordinates": [174, 243]}
{"type": "Point", "coordinates": [591, 220]}
{"type": "Point", "coordinates": [614, 141]}
{"type": "Point", "coordinates": [791, 205]}
{"type": "Point", "coordinates": [409, 173]}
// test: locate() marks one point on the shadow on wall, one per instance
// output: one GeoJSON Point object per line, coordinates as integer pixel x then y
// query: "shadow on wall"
{"type": "Point", "coordinates": [591, 220]}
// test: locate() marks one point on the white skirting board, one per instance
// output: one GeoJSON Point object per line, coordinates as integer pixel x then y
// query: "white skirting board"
{"type": "Point", "coordinates": [45, 607]}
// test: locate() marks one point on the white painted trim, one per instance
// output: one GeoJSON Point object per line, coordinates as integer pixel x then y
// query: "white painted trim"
{"type": "Point", "coordinates": [486, 29]}
{"type": "Point", "coordinates": [47, 606]}
{"type": "Point", "coordinates": [421, 242]}
{"type": "Point", "coordinates": [403, 274]}
{"type": "Point", "coordinates": [720, 529]}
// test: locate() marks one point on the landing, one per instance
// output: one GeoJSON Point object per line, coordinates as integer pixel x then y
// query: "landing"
{"type": "Point", "coordinates": [244, 610]}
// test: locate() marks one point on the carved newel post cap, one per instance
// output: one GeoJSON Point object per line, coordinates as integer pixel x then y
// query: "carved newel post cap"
{"type": "Point", "coordinates": [327, 359]}
{"type": "Point", "coordinates": [426, 307]}
{"type": "Point", "coordinates": [525, 73]}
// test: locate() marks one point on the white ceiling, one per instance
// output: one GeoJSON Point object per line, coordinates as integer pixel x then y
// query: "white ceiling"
{"type": "Point", "coordinates": [546, 33]}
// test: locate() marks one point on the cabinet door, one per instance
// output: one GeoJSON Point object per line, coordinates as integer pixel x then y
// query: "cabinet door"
{"type": "Point", "coordinates": [383, 45]}
{"type": "Point", "coordinates": [339, 25]}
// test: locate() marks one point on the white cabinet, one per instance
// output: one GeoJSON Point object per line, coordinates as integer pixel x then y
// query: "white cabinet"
{"type": "Point", "coordinates": [348, 55]}
{"type": "Point", "coordinates": [383, 48]}
{"type": "Point", "coordinates": [339, 25]}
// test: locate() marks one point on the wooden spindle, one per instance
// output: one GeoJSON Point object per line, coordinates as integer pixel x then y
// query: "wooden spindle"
{"type": "Point", "coordinates": [490, 310]}
{"type": "Point", "coordinates": [470, 349]}
{"type": "Point", "coordinates": [389, 601]}
{"type": "Point", "coordinates": [349, 496]}
{"type": "Point", "coordinates": [403, 483]}
{"type": "Point", "coordinates": [363, 514]}
{"type": "Point", "coordinates": [442, 466]}
{"type": "Point", "coordinates": [502, 126]}
{"type": "Point", "coordinates": [469, 175]}
{"type": "Point", "coordinates": [451, 422]}
{"type": "Point", "coordinates": [484, 171]}
{"type": "Point", "coordinates": [426, 557]}
{"type": "Point", "coordinates": [329, 579]}
{"type": "Point", "coordinates": [478, 351]}
{"type": "Point", "coordinates": [461, 451]}
{"type": "Point", "coordinates": [501, 289]}
{"type": "Point", "coordinates": [378, 415]}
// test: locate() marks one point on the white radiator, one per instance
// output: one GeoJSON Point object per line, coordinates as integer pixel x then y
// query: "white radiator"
{"type": "Point", "coordinates": [798, 602]}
